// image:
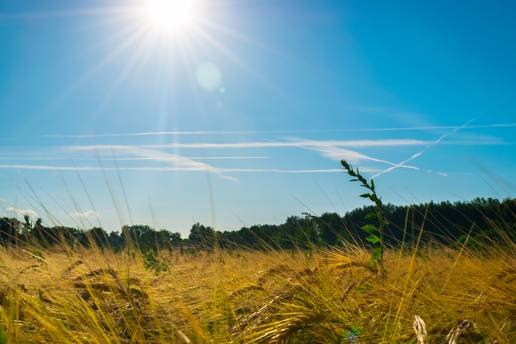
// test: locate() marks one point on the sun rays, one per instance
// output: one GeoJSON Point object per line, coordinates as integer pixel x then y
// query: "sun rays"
{"type": "Point", "coordinates": [171, 38]}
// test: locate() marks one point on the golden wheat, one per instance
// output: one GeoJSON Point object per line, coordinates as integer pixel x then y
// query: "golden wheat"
{"type": "Point", "coordinates": [329, 296]}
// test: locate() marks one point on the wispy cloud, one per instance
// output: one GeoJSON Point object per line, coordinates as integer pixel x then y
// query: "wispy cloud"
{"type": "Point", "coordinates": [125, 158]}
{"type": "Point", "coordinates": [47, 167]}
{"type": "Point", "coordinates": [331, 149]}
{"type": "Point", "coordinates": [300, 143]}
{"type": "Point", "coordinates": [255, 144]}
{"type": "Point", "coordinates": [231, 179]}
{"type": "Point", "coordinates": [85, 214]}
{"type": "Point", "coordinates": [328, 147]}
{"type": "Point", "coordinates": [21, 212]}
{"type": "Point", "coordinates": [257, 132]}
{"type": "Point", "coordinates": [335, 153]}
{"type": "Point", "coordinates": [173, 159]}
{"type": "Point", "coordinates": [177, 162]}
{"type": "Point", "coordinates": [241, 157]}
{"type": "Point", "coordinates": [338, 154]}
{"type": "Point", "coordinates": [290, 171]}
{"type": "Point", "coordinates": [173, 169]}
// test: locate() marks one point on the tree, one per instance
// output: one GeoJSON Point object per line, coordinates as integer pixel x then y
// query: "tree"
{"type": "Point", "coordinates": [10, 230]}
{"type": "Point", "coordinates": [202, 236]}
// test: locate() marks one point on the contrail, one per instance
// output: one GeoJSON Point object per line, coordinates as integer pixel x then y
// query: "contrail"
{"type": "Point", "coordinates": [335, 153]}
{"type": "Point", "coordinates": [423, 151]}
{"type": "Point", "coordinates": [256, 132]}
{"type": "Point", "coordinates": [123, 158]}
{"type": "Point", "coordinates": [256, 144]}
{"type": "Point", "coordinates": [174, 169]}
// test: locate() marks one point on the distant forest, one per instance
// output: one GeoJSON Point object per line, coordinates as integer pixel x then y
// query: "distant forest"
{"type": "Point", "coordinates": [479, 222]}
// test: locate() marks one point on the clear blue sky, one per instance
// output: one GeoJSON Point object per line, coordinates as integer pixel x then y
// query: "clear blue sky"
{"type": "Point", "coordinates": [241, 114]}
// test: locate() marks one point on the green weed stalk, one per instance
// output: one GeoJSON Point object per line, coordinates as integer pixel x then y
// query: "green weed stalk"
{"type": "Point", "coordinates": [374, 230]}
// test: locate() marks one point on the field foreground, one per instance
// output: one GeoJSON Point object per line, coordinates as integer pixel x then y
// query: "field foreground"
{"type": "Point", "coordinates": [328, 296]}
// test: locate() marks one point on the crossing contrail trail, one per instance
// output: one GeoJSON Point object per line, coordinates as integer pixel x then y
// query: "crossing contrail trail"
{"type": "Point", "coordinates": [423, 151]}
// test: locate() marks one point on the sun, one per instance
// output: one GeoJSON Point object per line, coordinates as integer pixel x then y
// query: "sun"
{"type": "Point", "coordinates": [171, 16]}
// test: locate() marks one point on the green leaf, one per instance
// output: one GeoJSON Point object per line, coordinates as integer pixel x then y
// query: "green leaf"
{"type": "Point", "coordinates": [377, 254]}
{"type": "Point", "coordinates": [356, 330]}
{"type": "Point", "coordinates": [369, 228]}
{"type": "Point", "coordinates": [370, 216]}
{"type": "Point", "coordinates": [366, 195]}
{"type": "Point", "coordinates": [373, 239]}
{"type": "Point", "coordinates": [351, 336]}
{"type": "Point", "coordinates": [3, 337]}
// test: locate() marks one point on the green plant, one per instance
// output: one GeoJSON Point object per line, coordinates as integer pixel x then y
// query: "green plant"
{"type": "Point", "coordinates": [374, 231]}
{"type": "Point", "coordinates": [3, 337]}
{"type": "Point", "coordinates": [153, 263]}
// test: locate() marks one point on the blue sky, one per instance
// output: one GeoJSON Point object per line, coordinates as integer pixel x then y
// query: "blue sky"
{"type": "Point", "coordinates": [241, 116]}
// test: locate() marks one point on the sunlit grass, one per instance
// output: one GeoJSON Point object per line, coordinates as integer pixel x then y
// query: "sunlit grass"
{"type": "Point", "coordinates": [247, 297]}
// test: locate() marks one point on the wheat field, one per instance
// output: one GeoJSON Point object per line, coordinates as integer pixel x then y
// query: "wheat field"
{"type": "Point", "coordinates": [319, 296]}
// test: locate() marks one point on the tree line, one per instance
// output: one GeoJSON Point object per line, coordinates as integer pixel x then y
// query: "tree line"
{"type": "Point", "coordinates": [476, 221]}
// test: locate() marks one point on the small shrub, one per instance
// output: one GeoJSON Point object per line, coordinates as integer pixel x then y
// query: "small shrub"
{"type": "Point", "coordinates": [154, 263]}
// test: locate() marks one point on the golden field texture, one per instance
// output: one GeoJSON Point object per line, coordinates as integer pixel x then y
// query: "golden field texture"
{"type": "Point", "coordinates": [321, 296]}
